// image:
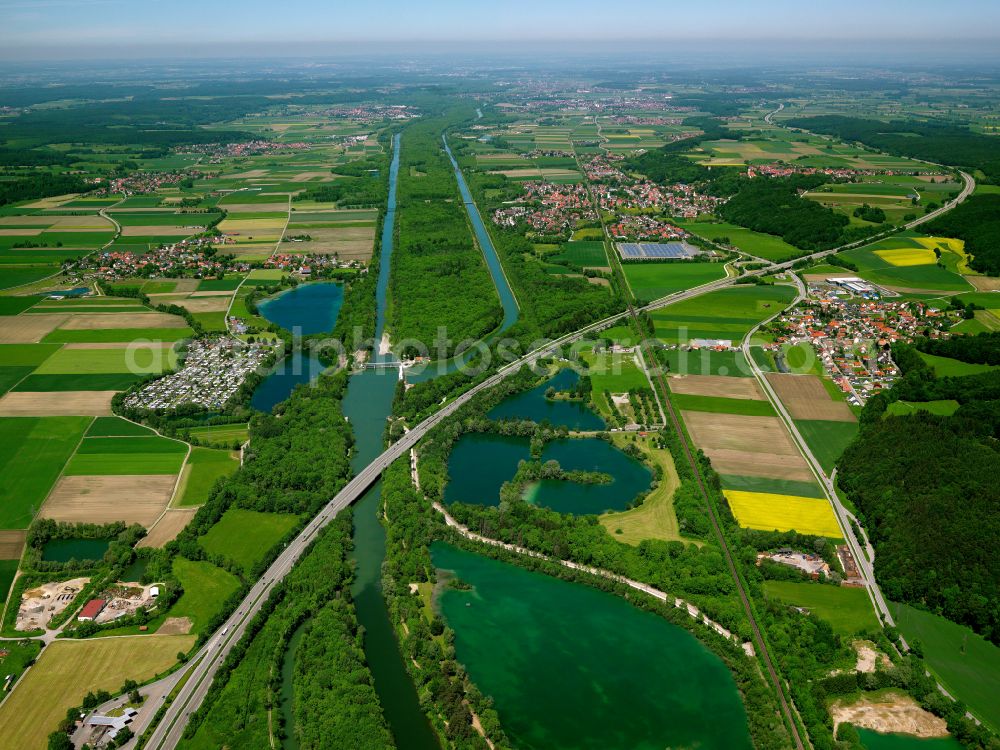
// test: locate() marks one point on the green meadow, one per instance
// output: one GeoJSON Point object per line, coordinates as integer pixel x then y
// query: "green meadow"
{"type": "Point", "coordinates": [945, 367]}
{"type": "Point", "coordinates": [848, 610]}
{"type": "Point", "coordinates": [206, 587]}
{"type": "Point", "coordinates": [761, 245]}
{"type": "Point", "coordinates": [967, 664]}
{"type": "Point", "coordinates": [651, 280]}
{"type": "Point", "coordinates": [204, 467]}
{"type": "Point", "coordinates": [725, 314]}
{"type": "Point", "coordinates": [244, 536]}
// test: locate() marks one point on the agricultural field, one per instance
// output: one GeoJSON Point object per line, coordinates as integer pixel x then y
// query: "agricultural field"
{"type": "Point", "coordinates": [67, 670]}
{"type": "Point", "coordinates": [204, 467]}
{"type": "Point", "coordinates": [848, 610]}
{"type": "Point", "coordinates": [827, 439]}
{"type": "Point", "coordinates": [907, 262]}
{"type": "Point", "coordinates": [724, 315]}
{"type": "Point", "coordinates": [717, 386]}
{"type": "Point", "coordinates": [244, 536]}
{"type": "Point", "coordinates": [707, 362]}
{"type": "Point", "coordinates": [650, 280]}
{"type": "Point", "coordinates": [805, 397]}
{"type": "Point", "coordinates": [717, 405]}
{"type": "Point", "coordinates": [772, 512]}
{"type": "Point", "coordinates": [747, 445]}
{"type": "Point", "coordinates": [966, 663]}
{"type": "Point", "coordinates": [33, 453]}
{"type": "Point", "coordinates": [127, 456]}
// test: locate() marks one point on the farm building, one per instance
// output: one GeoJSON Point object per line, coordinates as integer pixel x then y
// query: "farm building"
{"type": "Point", "coordinates": [91, 610]}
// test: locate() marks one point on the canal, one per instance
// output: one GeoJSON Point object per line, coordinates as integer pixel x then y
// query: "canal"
{"type": "Point", "coordinates": [432, 370]}
{"type": "Point", "coordinates": [367, 405]}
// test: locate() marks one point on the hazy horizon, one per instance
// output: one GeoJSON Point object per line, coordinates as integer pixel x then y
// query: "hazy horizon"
{"type": "Point", "coordinates": [40, 30]}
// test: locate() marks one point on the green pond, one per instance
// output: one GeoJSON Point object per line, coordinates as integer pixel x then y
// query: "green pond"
{"type": "Point", "coordinates": [878, 741]}
{"type": "Point", "coordinates": [533, 404]}
{"type": "Point", "coordinates": [569, 666]}
{"type": "Point", "coordinates": [136, 570]}
{"type": "Point", "coordinates": [64, 550]}
{"type": "Point", "coordinates": [480, 463]}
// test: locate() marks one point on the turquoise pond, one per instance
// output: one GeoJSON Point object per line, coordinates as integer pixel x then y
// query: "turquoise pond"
{"type": "Point", "coordinates": [569, 666]}
{"type": "Point", "coordinates": [533, 404]}
{"type": "Point", "coordinates": [306, 309]}
{"type": "Point", "coordinates": [480, 463]}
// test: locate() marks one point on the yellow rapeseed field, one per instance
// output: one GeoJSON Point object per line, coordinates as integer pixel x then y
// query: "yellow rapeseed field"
{"type": "Point", "coordinates": [911, 256]}
{"type": "Point", "coordinates": [769, 511]}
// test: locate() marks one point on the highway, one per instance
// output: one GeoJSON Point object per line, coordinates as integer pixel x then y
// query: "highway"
{"type": "Point", "coordinates": [204, 664]}
{"type": "Point", "coordinates": [207, 660]}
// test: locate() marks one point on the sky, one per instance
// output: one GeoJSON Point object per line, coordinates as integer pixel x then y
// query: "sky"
{"type": "Point", "coordinates": [63, 29]}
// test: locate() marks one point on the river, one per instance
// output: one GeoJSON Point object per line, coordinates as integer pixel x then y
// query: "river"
{"type": "Point", "coordinates": [367, 405]}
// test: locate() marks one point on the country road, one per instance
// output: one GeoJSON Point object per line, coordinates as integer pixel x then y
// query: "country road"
{"type": "Point", "coordinates": [205, 663]}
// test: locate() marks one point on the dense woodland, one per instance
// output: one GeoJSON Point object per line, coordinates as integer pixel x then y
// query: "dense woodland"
{"type": "Point", "coordinates": [941, 142]}
{"type": "Point", "coordinates": [977, 222]}
{"type": "Point", "coordinates": [335, 704]}
{"type": "Point", "coordinates": [926, 491]}
{"type": "Point", "coordinates": [439, 277]}
{"type": "Point", "coordinates": [39, 186]}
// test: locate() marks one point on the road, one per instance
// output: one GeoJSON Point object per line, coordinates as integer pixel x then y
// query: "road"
{"type": "Point", "coordinates": [210, 657]}
{"type": "Point", "coordinates": [843, 516]}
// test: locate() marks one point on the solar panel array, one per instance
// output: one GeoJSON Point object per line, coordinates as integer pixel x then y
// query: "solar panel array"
{"type": "Point", "coordinates": [664, 250]}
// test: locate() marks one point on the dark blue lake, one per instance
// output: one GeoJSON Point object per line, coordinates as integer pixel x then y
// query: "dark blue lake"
{"type": "Point", "coordinates": [296, 368]}
{"type": "Point", "coordinates": [306, 309]}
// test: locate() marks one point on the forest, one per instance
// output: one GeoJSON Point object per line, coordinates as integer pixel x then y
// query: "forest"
{"type": "Point", "coordinates": [940, 142]}
{"type": "Point", "coordinates": [439, 276]}
{"type": "Point", "coordinates": [925, 490]}
{"type": "Point", "coordinates": [977, 222]}
{"type": "Point", "coordinates": [773, 206]}
{"type": "Point", "coordinates": [39, 186]}
{"type": "Point", "coordinates": [335, 704]}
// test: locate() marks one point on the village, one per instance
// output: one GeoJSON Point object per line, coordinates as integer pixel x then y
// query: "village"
{"type": "Point", "coordinates": [555, 209]}
{"type": "Point", "coordinates": [851, 325]}
{"type": "Point", "coordinates": [195, 257]}
{"type": "Point", "coordinates": [213, 371]}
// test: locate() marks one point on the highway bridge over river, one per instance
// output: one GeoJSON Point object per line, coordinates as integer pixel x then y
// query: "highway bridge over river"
{"type": "Point", "coordinates": [206, 662]}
